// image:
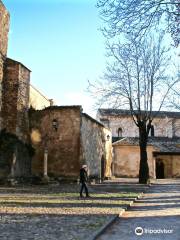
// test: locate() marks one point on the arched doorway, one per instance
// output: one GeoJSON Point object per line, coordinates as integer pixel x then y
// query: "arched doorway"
{"type": "Point", "coordinates": [159, 169]}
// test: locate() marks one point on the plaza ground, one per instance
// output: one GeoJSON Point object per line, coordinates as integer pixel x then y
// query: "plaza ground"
{"type": "Point", "coordinates": [156, 213]}
{"type": "Point", "coordinates": [56, 211]}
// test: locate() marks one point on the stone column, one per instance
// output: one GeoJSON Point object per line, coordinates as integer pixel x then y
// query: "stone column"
{"type": "Point", "coordinates": [13, 165]}
{"type": "Point", "coordinates": [45, 163]}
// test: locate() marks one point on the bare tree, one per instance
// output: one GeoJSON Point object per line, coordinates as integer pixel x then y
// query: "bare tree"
{"type": "Point", "coordinates": [137, 79]}
{"type": "Point", "coordinates": [139, 16]}
{"type": "Point", "coordinates": [175, 98]}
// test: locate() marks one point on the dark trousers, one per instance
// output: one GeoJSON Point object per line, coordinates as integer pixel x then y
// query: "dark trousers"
{"type": "Point", "coordinates": [84, 187]}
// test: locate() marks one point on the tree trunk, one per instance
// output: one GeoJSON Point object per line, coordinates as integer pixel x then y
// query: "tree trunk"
{"type": "Point", "coordinates": [143, 168]}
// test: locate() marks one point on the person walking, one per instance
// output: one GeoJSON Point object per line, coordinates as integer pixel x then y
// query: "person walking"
{"type": "Point", "coordinates": [83, 181]}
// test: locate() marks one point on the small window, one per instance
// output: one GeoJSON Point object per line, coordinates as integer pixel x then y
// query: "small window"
{"type": "Point", "coordinates": [55, 124]}
{"type": "Point", "coordinates": [119, 132]}
{"type": "Point", "coordinates": [152, 131]}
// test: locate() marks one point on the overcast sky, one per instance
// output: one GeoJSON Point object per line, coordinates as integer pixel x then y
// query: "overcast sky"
{"type": "Point", "coordinates": [60, 42]}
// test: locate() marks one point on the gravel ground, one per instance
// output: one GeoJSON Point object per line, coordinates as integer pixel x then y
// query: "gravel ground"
{"type": "Point", "coordinates": [56, 212]}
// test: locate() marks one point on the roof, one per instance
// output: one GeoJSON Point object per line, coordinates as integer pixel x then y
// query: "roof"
{"type": "Point", "coordinates": [92, 119]}
{"type": "Point", "coordinates": [125, 112]}
{"type": "Point", "coordinates": [161, 144]}
{"type": "Point", "coordinates": [167, 146]}
{"type": "Point", "coordinates": [56, 107]}
{"type": "Point", "coordinates": [18, 63]}
{"type": "Point", "coordinates": [126, 141]}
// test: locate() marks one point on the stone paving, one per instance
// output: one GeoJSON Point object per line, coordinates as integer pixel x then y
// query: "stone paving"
{"type": "Point", "coordinates": [155, 216]}
{"type": "Point", "coordinates": [56, 212]}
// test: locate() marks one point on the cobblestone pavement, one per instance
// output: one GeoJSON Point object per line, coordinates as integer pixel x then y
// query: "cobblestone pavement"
{"type": "Point", "coordinates": [155, 216]}
{"type": "Point", "coordinates": [56, 212]}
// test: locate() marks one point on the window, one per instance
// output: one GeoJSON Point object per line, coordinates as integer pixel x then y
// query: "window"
{"type": "Point", "coordinates": [152, 131]}
{"type": "Point", "coordinates": [119, 132]}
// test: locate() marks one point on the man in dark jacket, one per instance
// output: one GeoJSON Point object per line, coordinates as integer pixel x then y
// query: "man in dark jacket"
{"type": "Point", "coordinates": [83, 180]}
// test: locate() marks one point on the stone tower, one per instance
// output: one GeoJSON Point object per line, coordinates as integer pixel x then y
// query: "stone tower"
{"type": "Point", "coordinates": [14, 86]}
{"type": "Point", "coordinates": [4, 29]}
{"type": "Point", "coordinates": [14, 103]}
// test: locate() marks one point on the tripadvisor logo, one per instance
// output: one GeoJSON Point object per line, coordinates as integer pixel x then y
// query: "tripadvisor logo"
{"type": "Point", "coordinates": [139, 231]}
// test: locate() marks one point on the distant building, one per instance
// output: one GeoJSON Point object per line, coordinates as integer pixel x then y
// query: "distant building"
{"type": "Point", "coordinates": [163, 146]}
{"type": "Point", "coordinates": [165, 124]}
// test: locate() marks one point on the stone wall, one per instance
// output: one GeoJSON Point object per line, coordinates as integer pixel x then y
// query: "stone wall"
{"type": "Point", "coordinates": [37, 100]}
{"type": "Point", "coordinates": [163, 127]}
{"type": "Point", "coordinates": [4, 29]}
{"type": "Point", "coordinates": [175, 166]}
{"type": "Point", "coordinates": [96, 150]}
{"type": "Point", "coordinates": [126, 160]}
{"type": "Point", "coordinates": [16, 99]}
{"type": "Point", "coordinates": [62, 143]}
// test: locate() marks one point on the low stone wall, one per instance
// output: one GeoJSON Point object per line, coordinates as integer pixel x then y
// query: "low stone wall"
{"type": "Point", "coordinates": [126, 161]}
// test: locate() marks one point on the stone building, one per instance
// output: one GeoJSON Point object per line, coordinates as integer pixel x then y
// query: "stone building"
{"type": "Point", "coordinates": [14, 101]}
{"type": "Point", "coordinates": [4, 29]}
{"type": "Point", "coordinates": [64, 137]}
{"type": "Point", "coordinates": [163, 146]}
{"type": "Point", "coordinates": [165, 124]}
{"type": "Point", "coordinates": [70, 138]}
{"type": "Point", "coordinates": [15, 98]}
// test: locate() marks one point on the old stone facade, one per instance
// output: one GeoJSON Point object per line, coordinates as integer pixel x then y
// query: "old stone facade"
{"type": "Point", "coordinates": [4, 29]}
{"type": "Point", "coordinates": [71, 138]}
{"type": "Point", "coordinates": [163, 148]}
{"type": "Point", "coordinates": [14, 86]}
{"type": "Point", "coordinates": [165, 124]}
{"type": "Point", "coordinates": [96, 147]}
{"type": "Point", "coordinates": [64, 138]}
{"type": "Point", "coordinates": [14, 101]}
{"type": "Point", "coordinates": [15, 98]}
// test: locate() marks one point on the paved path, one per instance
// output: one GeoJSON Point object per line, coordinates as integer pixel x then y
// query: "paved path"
{"type": "Point", "coordinates": [157, 214]}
